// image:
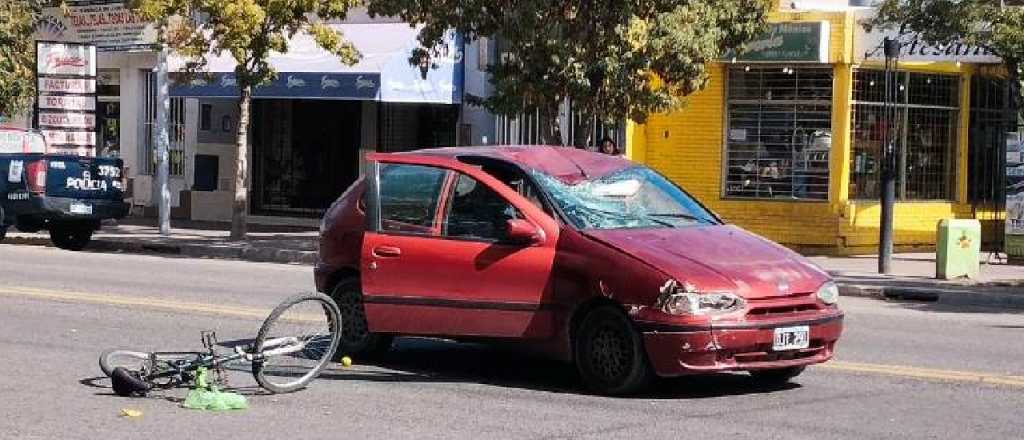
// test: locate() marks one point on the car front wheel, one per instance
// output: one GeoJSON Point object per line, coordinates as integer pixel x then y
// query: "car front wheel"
{"type": "Point", "coordinates": [356, 339]}
{"type": "Point", "coordinates": [609, 353]}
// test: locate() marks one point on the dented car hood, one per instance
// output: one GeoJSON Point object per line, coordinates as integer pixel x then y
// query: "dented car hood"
{"type": "Point", "coordinates": [719, 258]}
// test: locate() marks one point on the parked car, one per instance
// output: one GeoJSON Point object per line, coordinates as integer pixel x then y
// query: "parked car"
{"type": "Point", "coordinates": [590, 258]}
{"type": "Point", "coordinates": [66, 195]}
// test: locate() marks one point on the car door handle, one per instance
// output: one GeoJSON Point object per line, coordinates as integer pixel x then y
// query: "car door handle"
{"type": "Point", "coordinates": [387, 252]}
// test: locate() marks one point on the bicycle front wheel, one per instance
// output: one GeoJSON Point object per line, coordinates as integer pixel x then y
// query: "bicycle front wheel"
{"type": "Point", "coordinates": [296, 342]}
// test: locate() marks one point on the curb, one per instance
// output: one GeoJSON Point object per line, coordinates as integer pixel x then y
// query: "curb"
{"type": "Point", "coordinates": [246, 253]}
{"type": "Point", "coordinates": [996, 296]}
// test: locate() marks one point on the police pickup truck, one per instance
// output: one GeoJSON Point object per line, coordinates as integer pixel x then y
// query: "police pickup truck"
{"type": "Point", "coordinates": [66, 195]}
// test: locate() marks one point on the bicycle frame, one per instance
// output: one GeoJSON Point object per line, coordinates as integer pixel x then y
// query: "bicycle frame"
{"type": "Point", "coordinates": [182, 367]}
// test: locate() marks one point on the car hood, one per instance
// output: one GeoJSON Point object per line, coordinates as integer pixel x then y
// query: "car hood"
{"type": "Point", "coordinates": [719, 258]}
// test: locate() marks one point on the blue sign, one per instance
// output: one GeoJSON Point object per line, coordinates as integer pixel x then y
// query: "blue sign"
{"type": "Point", "coordinates": [353, 86]}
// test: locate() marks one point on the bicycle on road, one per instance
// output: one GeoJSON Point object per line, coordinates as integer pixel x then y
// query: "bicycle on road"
{"type": "Point", "coordinates": [292, 347]}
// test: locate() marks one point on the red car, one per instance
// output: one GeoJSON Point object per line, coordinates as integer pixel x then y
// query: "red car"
{"type": "Point", "coordinates": [591, 258]}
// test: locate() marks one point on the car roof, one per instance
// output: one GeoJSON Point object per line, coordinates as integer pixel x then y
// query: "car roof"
{"type": "Point", "coordinates": [568, 164]}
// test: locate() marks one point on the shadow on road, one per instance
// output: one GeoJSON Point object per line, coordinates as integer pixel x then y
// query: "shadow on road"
{"type": "Point", "coordinates": [438, 361]}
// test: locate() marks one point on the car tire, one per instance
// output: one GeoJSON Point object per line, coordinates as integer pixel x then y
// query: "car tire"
{"type": "Point", "coordinates": [356, 339]}
{"type": "Point", "coordinates": [776, 376]}
{"type": "Point", "coordinates": [71, 238]}
{"type": "Point", "coordinates": [610, 354]}
{"type": "Point", "coordinates": [3, 233]}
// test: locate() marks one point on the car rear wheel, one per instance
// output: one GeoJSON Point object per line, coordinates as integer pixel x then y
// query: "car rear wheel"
{"type": "Point", "coordinates": [356, 339]}
{"type": "Point", "coordinates": [609, 353]}
{"type": "Point", "coordinates": [777, 376]}
{"type": "Point", "coordinates": [72, 238]}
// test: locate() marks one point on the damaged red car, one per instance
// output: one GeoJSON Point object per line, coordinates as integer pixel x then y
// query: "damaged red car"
{"type": "Point", "coordinates": [589, 258]}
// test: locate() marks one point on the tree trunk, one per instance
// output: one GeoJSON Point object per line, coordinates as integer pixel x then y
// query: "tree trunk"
{"type": "Point", "coordinates": [551, 132]}
{"type": "Point", "coordinates": [239, 222]}
{"type": "Point", "coordinates": [583, 129]}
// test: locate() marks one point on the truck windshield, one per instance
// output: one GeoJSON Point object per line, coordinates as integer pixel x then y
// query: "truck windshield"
{"type": "Point", "coordinates": [636, 197]}
{"type": "Point", "coordinates": [17, 142]}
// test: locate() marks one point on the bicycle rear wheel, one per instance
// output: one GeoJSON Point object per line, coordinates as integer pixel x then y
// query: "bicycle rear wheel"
{"type": "Point", "coordinates": [296, 342]}
{"type": "Point", "coordinates": [127, 359]}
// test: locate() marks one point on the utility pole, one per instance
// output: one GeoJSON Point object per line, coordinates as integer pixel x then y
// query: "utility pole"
{"type": "Point", "coordinates": [889, 156]}
{"type": "Point", "coordinates": [161, 139]}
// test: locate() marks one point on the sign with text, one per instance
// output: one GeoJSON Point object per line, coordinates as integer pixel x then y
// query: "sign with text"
{"type": "Point", "coordinates": [108, 25]}
{"type": "Point", "coordinates": [868, 46]}
{"type": "Point", "coordinates": [66, 96]}
{"type": "Point", "coordinates": [65, 59]}
{"type": "Point", "coordinates": [75, 103]}
{"type": "Point", "coordinates": [790, 41]}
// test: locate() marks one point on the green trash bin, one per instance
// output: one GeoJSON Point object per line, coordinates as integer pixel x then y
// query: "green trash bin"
{"type": "Point", "coordinates": [958, 249]}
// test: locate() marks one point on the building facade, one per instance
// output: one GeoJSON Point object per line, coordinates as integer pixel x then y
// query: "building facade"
{"type": "Point", "coordinates": [309, 129]}
{"type": "Point", "coordinates": [786, 139]}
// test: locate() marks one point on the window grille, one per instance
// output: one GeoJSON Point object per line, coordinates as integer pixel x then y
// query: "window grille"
{"type": "Point", "coordinates": [176, 132]}
{"type": "Point", "coordinates": [925, 130]}
{"type": "Point", "coordinates": [779, 132]}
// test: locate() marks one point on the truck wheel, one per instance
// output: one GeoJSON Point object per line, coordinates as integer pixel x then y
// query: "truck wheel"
{"type": "Point", "coordinates": [71, 238]}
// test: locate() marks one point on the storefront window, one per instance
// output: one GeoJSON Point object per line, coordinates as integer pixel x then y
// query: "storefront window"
{"type": "Point", "coordinates": [925, 131]}
{"type": "Point", "coordinates": [779, 132]}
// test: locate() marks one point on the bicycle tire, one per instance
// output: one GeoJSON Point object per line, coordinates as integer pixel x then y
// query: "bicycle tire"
{"type": "Point", "coordinates": [108, 359]}
{"type": "Point", "coordinates": [333, 315]}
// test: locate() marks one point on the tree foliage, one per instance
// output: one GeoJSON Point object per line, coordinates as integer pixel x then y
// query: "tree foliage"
{"type": "Point", "coordinates": [17, 54]}
{"type": "Point", "coordinates": [614, 59]}
{"type": "Point", "coordinates": [982, 23]}
{"type": "Point", "coordinates": [250, 31]}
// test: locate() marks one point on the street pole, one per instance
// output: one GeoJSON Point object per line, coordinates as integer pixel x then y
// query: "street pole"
{"type": "Point", "coordinates": [889, 155]}
{"type": "Point", "coordinates": [162, 141]}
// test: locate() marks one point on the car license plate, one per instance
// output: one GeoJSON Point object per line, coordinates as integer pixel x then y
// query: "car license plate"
{"type": "Point", "coordinates": [81, 208]}
{"type": "Point", "coordinates": [792, 338]}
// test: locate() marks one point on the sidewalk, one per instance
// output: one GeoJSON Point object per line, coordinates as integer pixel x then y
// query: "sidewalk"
{"type": "Point", "coordinates": [1000, 284]}
{"type": "Point", "coordinates": [913, 278]}
{"type": "Point", "coordinates": [292, 245]}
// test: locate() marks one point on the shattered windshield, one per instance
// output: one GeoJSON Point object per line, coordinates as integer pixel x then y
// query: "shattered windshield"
{"type": "Point", "coordinates": [635, 197]}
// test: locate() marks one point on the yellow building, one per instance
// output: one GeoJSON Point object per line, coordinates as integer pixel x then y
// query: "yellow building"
{"type": "Point", "coordinates": [785, 140]}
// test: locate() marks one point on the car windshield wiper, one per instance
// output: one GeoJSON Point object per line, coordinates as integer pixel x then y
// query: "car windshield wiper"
{"type": "Point", "coordinates": [630, 216]}
{"type": "Point", "coordinates": [679, 215]}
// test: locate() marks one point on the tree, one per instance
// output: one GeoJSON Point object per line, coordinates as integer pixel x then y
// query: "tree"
{"type": "Point", "coordinates": [981, 23]}
{"type": "Point", "coordinates": [17, 54]}
{"type": "Point", "coordinates": [613, 59]}
{"type": "Point", "coordinates": [248, 30]}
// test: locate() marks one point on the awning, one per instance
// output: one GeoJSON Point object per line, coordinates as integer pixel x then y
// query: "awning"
{"type": "Point", "coordinates": [307, 71]}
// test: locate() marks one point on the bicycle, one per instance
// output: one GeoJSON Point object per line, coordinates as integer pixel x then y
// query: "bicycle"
{"type": "Point", "coordinates": [302, 352]}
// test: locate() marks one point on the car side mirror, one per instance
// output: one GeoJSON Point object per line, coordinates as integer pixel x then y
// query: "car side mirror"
{"type": "Point", "coordinates": [523, 232]}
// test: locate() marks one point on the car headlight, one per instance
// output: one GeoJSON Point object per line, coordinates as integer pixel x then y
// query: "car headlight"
{"type": "Point", "coordinates": [828, 293]}
{"type": "Point", "coordinates": [675, 300]}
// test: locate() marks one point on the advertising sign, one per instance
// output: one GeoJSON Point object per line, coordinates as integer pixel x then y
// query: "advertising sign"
{"type": "Point", "coordinates": [868, 46]}
{"type": "Point", "coordinates": [57, 102]}
{"type": "Point", "coordinates": [793, 42]}
{"type": "Point", "coordinates": [67, 85]}
{"type": "Point", "coordinates": [65, 59]}
{"type": "Point", "coordinates": [1014, 238]}
{"type": "Point", "coordinates": [66, 96]}
{"type": "Point", "coordinates": [108, 25]}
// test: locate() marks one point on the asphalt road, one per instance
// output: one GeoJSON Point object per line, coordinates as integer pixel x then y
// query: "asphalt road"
{"type": "Point", "coordinates": [903, 370]}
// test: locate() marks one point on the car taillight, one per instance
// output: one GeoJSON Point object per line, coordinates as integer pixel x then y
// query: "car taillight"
{"type": "Point", "coordinates": [36, 176]}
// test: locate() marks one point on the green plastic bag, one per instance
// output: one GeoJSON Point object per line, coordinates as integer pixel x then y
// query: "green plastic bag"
{"type": "Point", "coordinates": [209, 398]}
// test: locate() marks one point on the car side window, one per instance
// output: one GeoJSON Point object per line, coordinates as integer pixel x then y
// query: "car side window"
{"type": "Point", "coordinates": [409, 196]}
{"type": "Point", "coordinates": [477, 212]}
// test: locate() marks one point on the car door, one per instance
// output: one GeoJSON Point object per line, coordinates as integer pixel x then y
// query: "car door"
{"type": "Point", "coordinates": [439, 262]}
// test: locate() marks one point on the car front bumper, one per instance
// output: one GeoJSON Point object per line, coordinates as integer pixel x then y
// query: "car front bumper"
{"type": "Point", "coordinates": [738, 346]}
